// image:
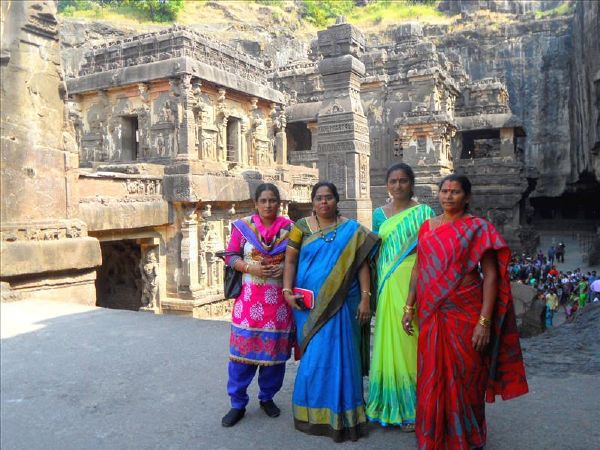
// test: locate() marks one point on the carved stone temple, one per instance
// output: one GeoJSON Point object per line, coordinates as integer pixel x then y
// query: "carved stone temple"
{"type": "Point", "coordinates": [420, 108]}
{"type": "Point", "coordinates": [157, 143]}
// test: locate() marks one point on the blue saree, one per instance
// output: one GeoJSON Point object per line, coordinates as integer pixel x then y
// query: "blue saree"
{"type": "Point", "coordinates": [328, 392]}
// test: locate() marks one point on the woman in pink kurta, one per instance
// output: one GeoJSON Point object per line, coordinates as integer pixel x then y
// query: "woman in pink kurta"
{"type": "Point", "coordinates": [261, 329]}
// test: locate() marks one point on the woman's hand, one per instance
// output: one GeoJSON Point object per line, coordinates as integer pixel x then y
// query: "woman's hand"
{"type": "Point", "coordinates": [407, 320]}
{"type": "Point", "coordinates": [258, 270]}
{"type": "Point", "coordinates": [277, 271]}
{"type": "Point", "coordinates": [292, 300]}
{"type": "Point", "coordinates": [481, 337]}
{"type": "Point", "coordinates": [364, 311]}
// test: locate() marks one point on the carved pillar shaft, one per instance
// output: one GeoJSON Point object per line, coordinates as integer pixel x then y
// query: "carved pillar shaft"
{"type": "Point", "coordinates": [343, 144]}
{"type": "Point", "coordinates": [186, 138]}
{"type": "Point", "coordinates": [188, 280]}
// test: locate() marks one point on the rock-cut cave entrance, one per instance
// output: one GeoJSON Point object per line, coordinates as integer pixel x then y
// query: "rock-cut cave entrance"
{"type": "Point", "coordinates": [119, 281]}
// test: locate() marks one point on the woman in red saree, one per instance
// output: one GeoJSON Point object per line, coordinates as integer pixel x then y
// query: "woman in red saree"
{"type": "Point", "coordinates": [468, 348]}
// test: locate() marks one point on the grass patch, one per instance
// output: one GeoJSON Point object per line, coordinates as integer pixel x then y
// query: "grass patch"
{"type": "Point", "coordinates": [388, 12]}
{"type": "Point", "coordinates": [564, 9]}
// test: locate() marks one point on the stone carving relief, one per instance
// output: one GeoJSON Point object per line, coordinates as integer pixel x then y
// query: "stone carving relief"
{"type": "Point", "coordinates": [211, 240]}
{"type": "Point", "coordinates": [150, 279]}
{"type": "Point", "coordinates": [45, 233]}
{"type": "Point", "coordinates": [336, 169]}
{"type": "Point", "coordinates": [363, 172]}
{"type": "Point", "coordinates": [143, 187]}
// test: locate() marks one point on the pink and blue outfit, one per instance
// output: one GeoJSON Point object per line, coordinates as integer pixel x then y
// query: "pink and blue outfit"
{"type": "Point", "coordinates": [262, 325]}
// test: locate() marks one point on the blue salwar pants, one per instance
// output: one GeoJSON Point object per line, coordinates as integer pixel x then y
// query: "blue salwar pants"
{"type": "Point", "coordinates": [270, 380]}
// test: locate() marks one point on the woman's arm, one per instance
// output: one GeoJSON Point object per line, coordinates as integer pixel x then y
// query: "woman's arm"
{"type": "Point", "coordinates": [411, 300]}
{"type": "Point", "coordinates": [481, 333]}
{"type": "Point", "coordinates": [236, 244]}
{"type": "Point", "coordinates": [290, 268]}
{"type": "Point", "coordinates": [364, 307]}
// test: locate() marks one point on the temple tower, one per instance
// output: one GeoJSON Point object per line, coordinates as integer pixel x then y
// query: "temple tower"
{"type": "Point", "coordinates": [343, 146]}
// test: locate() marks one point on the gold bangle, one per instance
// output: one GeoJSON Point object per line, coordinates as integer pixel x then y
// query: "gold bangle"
{"type": "Point", "coordinates": [247, 268]}
{"type": "Point", "coordinates": [408, 309]}
{"type": "Point", "coordinates": [284, 290]}
{"type": "Point", "coordinates": [366, 292]}
{"type": "Point", "coordinates": [484, 322]}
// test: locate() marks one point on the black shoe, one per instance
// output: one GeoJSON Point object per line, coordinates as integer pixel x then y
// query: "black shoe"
{"type": "Point", "coordinates": [270, 408]}
{"type": "Point", "coordinates": [232, 417]}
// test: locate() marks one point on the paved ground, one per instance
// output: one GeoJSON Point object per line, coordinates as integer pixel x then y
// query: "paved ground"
{"type": "Point", "coordinates": [573, 251]}
{"type": "Point", "coordinates": [87, 378]}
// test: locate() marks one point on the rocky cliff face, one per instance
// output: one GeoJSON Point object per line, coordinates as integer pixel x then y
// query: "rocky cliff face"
{"type": "Point", "coordinates": [585, 89]}
{"type": "Point", "coordinates": [551, 68]}
{"type": "Point", "coordinates": [502, 6]}
{"type": "Point", "coordinates": [533, 57]}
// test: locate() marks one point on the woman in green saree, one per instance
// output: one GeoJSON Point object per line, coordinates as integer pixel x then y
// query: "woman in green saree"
{"type": "Point", "coordinates": [393, 373]}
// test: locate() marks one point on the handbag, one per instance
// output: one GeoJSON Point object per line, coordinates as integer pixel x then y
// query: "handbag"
{"type": "Point", "coordinates": [232, 281]}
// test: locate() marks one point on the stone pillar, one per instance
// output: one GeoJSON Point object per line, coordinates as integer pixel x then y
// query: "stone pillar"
{"type": "Point", "coordinates": [44, 251]}
{"type": "Point", "coordinates": [343, 146]}
{"type": "Point", "coordinates": [188, 280]}
{"type": "Point", "coordinates": [281, 157]}
{"type": "Point", "coordinates": [185, 126]}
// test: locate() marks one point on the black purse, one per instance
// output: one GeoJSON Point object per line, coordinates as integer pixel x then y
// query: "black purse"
{"type": "Point", "coordinates": [232, 281]}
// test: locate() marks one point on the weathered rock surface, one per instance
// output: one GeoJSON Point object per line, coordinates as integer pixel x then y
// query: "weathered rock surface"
{"type": "Point", "coordinates": [534, 59]}
{"type": "Point", "coordinates": [503, 6]}
{"type": "Point", "coordinates": [585, 88]}
{"type": "Point", "coordinates": [39, 165]}
{"type": "Point", "coordinates": [569, 348]}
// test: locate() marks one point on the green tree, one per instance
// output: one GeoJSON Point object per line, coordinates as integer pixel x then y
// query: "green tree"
{"type": "Point", "coordinates": [320, 11]}
{"type": "Point", "coordinates": [158, 10]}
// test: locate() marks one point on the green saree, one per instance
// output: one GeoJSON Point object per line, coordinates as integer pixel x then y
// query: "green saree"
{"type": "Point", "coordinates": [393, 373]}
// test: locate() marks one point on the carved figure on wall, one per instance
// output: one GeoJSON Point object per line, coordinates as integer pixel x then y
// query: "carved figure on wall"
{"type": "Point", "coordinates": [149, 270]}
{"type": "Point", "coordinates": [166, 113]}
{"type": "Point", "coordinates": [221, 141]}
{"type": "Point", "coordinates": [202, 267]}
{"type": "Point", "coordinates": [364, 175]}
{"type": "Point", "coordinates": [160, 144]}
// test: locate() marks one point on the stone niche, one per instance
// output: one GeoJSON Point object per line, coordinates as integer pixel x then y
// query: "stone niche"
{"type": "Point", "coordinates": [45, 250]}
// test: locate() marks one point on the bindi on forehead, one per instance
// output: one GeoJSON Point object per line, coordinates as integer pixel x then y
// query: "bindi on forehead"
{"type": "Point", "coordinates": [452, 185]}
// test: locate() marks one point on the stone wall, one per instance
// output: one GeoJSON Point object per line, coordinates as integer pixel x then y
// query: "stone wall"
{"type": "Point", "coordinates": [39, 170]}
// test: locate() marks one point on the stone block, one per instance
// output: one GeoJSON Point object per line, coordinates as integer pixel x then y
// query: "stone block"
{"type": "Point", "coordinates": [36, 257]}
{"type": "Point", "coordinates": [122, 215]}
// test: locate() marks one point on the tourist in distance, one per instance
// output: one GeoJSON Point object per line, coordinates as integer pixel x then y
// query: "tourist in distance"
{"type": "Point", "coordinates": [469, 347]}
{"type": "Point", "coordinates": [551, 254]}
{"type": "Point", "coordinates": [261, 329]}
{"type": "Point", "coordinates": [393, 373]}
{"type": "Point", "coordinates": [582, 289]}
{"type": "Point", "coordinates": [551, 306]}
{"type": "Point", "coordinates": [328, 255]}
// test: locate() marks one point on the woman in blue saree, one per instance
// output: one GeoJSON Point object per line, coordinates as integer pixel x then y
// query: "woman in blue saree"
{"type": "Point", "coordinates": [327, 254]}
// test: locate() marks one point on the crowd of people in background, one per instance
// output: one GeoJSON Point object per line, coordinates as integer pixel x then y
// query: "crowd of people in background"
{"type": "Point", "coordinates": [571, 289]}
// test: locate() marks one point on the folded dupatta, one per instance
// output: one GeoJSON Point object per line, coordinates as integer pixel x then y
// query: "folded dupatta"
{"type": "Point", "coordinates": [268, 241]}
{"type": "Point", "coordinates": [399, 239]}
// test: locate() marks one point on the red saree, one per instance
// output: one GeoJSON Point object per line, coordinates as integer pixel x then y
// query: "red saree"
{"type": "Point", "coordinates": [453, 379]}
